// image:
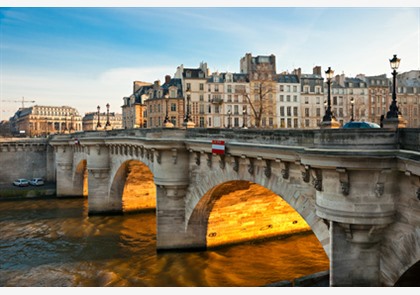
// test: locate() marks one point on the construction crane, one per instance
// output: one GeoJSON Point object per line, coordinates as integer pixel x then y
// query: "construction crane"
{"type": "Point", "coordinates": [21, 101]}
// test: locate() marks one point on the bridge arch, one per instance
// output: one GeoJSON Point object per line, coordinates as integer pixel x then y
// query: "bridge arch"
{"type": "Point", "coordinates": [204, 183]}
{"type": "Point", "coordinates": [133, 187]}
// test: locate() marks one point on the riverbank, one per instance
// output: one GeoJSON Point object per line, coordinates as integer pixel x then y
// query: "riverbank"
{"type": "Point", "coordinates": [9, 191]}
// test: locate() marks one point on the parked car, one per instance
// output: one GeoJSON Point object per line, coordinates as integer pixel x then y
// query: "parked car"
{"type": "Point", "coordinates": [21, 182]}
{"type": "Point", "coordinates": [37, 181]}
{"type": "Point", "coordinates": [356, 124]}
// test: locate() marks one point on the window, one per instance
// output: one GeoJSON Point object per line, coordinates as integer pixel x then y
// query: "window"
{"type": "Point", "coordinates": [295, 123]}
{"type": "Point", "coordinates": [189, 86]}
{"type": "Point", "coordinates": [201, 97]}
{"type": "Point", "coordinates": [289, 122]}
{"type": "Point", "coordinates": [216, 88]}
{"type": "Point", "coordinates": [201, 121]}
{"type": "Point", "coordinates": [294, 88]}
{"type": "Point", "coordinates": [295, 111]}
{"type": "Point", "coordinates": [282, 111]}
{"type": "Point", "coordinates": [282, 123]}
{"type": "Point", "coordinates": [236, 122]}
{"type": "Point", "coordinates": [294, 98]}
{"type": "Point", "coordinates": [289, 111]}
{"type": "Point", "coordinates": [201, 86]}
{"type": "Point", "coordinates": [318, 112]}
{"type": "Point", "coordinates": [229, 88]}
{"type": "Point", "coordinates": [281, 97]}
{"type": "Point", "coordinates": [173, 107]}
{"type": "Point", "coordinates": [288, 98]}
{"type": "Point", "coordinates": [306, 112]}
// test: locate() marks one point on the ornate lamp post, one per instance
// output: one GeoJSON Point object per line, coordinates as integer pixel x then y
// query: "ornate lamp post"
{"type": "Point", "coordinates": [187, 115]}
{"type": "Point", "coordinates": [187, 120]}
{"type": "Point", "coordinates": [229, 113]}
{"type": "Point", "coordinates": [328, 114]}
{"type": "Point", "coordinates": [166, 122]}
{"type": "Point", "coordinates": [328, 121]}
{"type": "Point", "coordinates": [166, 115]}
{"type": "Point", "coordinates": [108, 124]}
{"type": "Point", "coordinates": [393, 117]}
{"type": "Point", "coordinates": [393, 108]}
{"type": "Point", "coordinates": [244, 119]}
{"type": "Point", "coordinates": [98, 125]}
{"type": "Point", "coordinates": [352, 109]}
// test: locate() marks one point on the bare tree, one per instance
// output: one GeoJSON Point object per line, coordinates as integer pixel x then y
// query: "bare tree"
{"type": "Point", "coordinates": [260, 99]}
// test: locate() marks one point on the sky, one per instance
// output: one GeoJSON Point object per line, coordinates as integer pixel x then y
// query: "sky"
{"type": "Point", "coordinates": [88, 55]}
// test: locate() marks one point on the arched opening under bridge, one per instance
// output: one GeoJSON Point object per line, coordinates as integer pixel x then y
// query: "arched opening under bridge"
{"type": "Point", "coordinates": [134, 184]}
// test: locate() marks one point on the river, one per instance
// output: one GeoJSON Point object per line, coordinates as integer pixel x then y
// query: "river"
{"type": "Point", "coordinates": [52, 242]}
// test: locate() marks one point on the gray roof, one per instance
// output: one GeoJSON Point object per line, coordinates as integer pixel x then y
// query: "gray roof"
{"type": "Point", "coordinates": [288, 78]}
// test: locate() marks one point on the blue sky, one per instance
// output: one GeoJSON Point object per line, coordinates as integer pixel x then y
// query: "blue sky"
{"type": "Point", "coordinates": [89, 56]}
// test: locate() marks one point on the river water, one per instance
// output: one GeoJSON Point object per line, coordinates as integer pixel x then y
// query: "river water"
{"type": "Point", "coordinates": [54, 243]}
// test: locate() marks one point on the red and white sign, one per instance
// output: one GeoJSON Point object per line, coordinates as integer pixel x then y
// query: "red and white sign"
{"type": "Point", "coordinates": [218, 147]}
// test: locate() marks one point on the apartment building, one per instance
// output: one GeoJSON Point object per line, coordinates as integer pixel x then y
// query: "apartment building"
{"type": "Point", "coordinates": [259, 97]}
{"type": "Point", "coordinates": [379, 97]}
{"type": "Point", "coordinates": [408, 97]}
{"type": "Point", "coordinates": [44, 120]}
{"type": "Point", "coordinates": [288, 101]}
{"type": "Point", "coordinates": [312, 98]}
{"type": "Point", "coordinates": [101, 121]}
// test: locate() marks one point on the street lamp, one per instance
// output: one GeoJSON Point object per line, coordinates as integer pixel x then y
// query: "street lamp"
{"type": "Point", "coordinates": [167, 123]}
{"type": "Point", "coordinates": [98, 125]}
{"type": "Point", "coordinates": [328, 114]}
{"type": "Point", "coordinates": [108, 124]}
{"type": "Point", "coordinates": [244, 119]}
{"type": "Point", "coordinates": [166, 116]}
{"type": "Point", "coordinates": [393, 109]}
{"type": "Point", "coordinates": [188, 115]}
{"type": "Point", "coordinates": [229, 113]}
{"type": "Point", "coordinates": [352, 109]}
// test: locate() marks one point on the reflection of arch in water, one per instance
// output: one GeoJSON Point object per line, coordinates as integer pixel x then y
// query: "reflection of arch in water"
{"type": "Point", "coordinates": [240, 211]}
{"type": "Point", "coordinates": [80, 179]}
{"type": "Point", "coordinates": [134, 186]}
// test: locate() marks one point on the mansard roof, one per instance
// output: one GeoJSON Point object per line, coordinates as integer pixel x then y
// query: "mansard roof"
{"type": "Point", "coordinates": [236, 77]}
{"type": "Point", "coordinates": [174, 82]}
{"type": "Point", "coordinates": [288, 78]}
{"type": "Point", "coordinates": [191, 73]}
{"type": "Point", "coordinates": [356, 83]}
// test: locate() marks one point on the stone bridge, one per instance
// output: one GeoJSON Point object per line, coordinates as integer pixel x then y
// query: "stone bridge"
{"type": "Point", "coordinates": [358, 190]}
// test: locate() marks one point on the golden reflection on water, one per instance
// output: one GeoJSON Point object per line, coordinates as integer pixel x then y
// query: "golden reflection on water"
{"type": "Point", "coordinates": [53, 243]}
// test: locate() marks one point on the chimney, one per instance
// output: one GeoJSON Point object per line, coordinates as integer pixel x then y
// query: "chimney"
{"type": "Point", "coordinates": [317, 71]}
{"type": "Point", "coordinates": [167, 79]}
